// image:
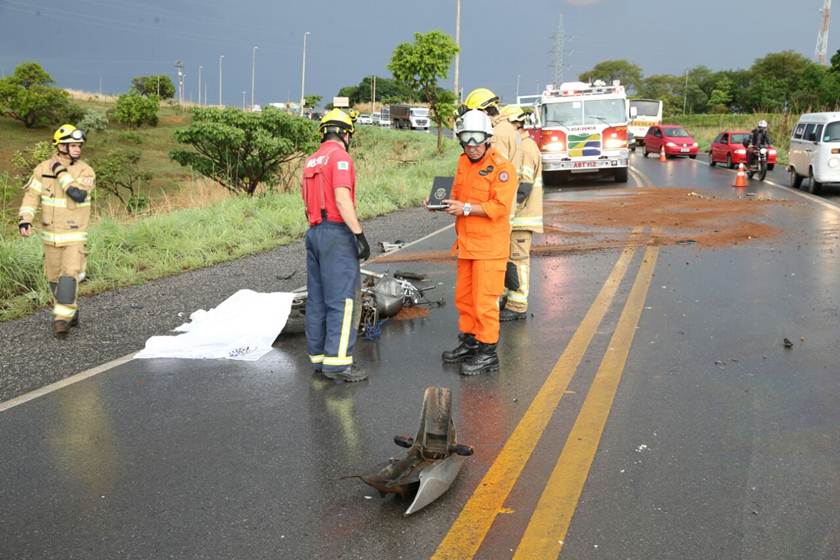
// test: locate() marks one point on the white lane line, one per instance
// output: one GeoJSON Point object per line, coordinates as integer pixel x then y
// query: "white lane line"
{"type": "Point", "coordinates": [81, 376]}
{"type": "Point", "coordinates": [807, 196]}
{"type": "Point", "coordinates": [26, 397]}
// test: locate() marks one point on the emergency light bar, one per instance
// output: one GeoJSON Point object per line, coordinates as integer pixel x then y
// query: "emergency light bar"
{"type": "Point", "coordinates": [569, 89]}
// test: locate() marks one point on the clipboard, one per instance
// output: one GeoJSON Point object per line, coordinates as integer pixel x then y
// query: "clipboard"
{"type": "Point", "coordinates": [441, 190]}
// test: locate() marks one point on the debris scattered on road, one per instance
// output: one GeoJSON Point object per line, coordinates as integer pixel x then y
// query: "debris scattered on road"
{"type": "Point", "coordinates": [433, 460]}
{"type": "Point", "coordinates": [641, 448]}
{"type": "Point", "coordinates": [787, 343]}
{"type": "Point", "coordinates": [388, 247]}
{"type": "Point", "coordinates": [286, 277]}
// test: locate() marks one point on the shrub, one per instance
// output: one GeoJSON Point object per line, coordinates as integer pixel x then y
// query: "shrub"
{"type": "Point", "coordinates": [24, 161]}
{"type": "Point", "coordinates": [93, 121]}
{"type": "Point", "coordinates": [28, 96]}
{"type": "Point", "coordinates": [133, 110]}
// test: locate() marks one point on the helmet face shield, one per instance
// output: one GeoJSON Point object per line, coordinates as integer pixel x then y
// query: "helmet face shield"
{"type": "Point", "coordinates": [473, 137]}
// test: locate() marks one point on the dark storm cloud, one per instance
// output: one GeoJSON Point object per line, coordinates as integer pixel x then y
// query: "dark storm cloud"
{"type": "Point", "coordinates": [82, 41]}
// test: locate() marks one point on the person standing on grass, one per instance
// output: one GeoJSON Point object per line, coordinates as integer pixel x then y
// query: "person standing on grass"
{"type": "Point", "coordinates": [62, 185]}
{"type": "Point", "coordinates": [335, 243]}
{"type": "Point", "coordinates": [482, 195]}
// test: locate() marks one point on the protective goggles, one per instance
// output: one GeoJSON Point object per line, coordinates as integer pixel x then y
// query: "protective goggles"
{"type": "Point", "coordinates": [472, 137]}
{"type": "Point", "coordinates": [75, 136]}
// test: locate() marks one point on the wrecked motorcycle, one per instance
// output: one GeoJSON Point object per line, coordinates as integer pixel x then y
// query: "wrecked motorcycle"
{"type": "Point", "coordinates": [433, 460]}
{"type": "Point", "coordinates": [383, 295]}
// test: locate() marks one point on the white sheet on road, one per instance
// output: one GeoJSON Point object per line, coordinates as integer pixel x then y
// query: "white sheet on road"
{"type": "Point", "coordinates": [241, 328]}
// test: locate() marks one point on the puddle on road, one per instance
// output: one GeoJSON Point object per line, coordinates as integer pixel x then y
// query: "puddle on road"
{"type": "Point", "coordinates": [680, 216]}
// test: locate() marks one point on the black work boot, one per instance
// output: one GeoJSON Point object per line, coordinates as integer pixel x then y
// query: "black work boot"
{"type": "Point", "coordinates": [510, 315]}
{"type": "Point", "coordinates": [61, 328]}
{"type": "Point", "coordinates": [484, 361]}
{"type": "Point", "coordinates": [74, 322]}
{"type": "Point", "coordinates": [351, 374]}
{"type": "Point", "coordinates": [467, 349]}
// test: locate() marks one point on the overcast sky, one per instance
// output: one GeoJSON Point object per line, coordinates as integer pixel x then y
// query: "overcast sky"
{"type": "Point", "coordinates": [79, 41]}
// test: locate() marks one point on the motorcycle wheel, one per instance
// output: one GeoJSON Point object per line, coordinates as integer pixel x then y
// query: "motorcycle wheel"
{"type": "Point", "coordinates": [762, 171]}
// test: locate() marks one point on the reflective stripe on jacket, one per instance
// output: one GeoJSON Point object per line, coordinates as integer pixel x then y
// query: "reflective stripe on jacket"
{"type": "Point", "coordinates": [529, 215]}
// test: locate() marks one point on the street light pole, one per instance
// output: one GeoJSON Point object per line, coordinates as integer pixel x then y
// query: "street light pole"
{"type": "Point", "coordinates": [243, 99]}
{"type": "Point", "coordinates": [221, 57]}
{"type": "Point", "coordinates": [303, 75]}
{"type": "Point", "coordinates": [199, 83]}
{"type": "Point", "coordinates": [253, 73]}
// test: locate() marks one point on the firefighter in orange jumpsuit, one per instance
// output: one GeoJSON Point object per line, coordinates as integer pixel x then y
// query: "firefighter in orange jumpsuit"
{"type": "Point", "coordinates": [482, 196]}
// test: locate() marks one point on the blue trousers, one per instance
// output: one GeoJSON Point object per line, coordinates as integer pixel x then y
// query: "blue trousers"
{"type": "Point", "coordinates": [333, 284]}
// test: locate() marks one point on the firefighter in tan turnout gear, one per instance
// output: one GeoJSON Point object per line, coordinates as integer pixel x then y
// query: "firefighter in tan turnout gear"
{"type": "Point", "coordinates": [527, 215]}
{"type": "Point", "coordinates": [62, 186]}
{"type": "Point", "coordinates": [505, 137]}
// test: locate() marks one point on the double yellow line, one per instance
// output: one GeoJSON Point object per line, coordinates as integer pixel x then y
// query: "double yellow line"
{"type": "Point", "coordinates": [544, 536]}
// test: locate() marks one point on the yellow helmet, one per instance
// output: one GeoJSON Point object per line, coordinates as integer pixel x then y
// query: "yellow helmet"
{"type": "Point", "coordinates": [338, 121]}
{"type": "Point", "coordinates": [516, 113]}
{"type": "Point", "coordinates": [354, 114]}
{"type": "Point", "coordinates": [482, 99]}
{"type": "Point", "coordinates": [68, 134]}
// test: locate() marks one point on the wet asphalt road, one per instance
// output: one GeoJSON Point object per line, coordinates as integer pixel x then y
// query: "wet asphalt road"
{"type": "Point", "coordinates": [719, 442]}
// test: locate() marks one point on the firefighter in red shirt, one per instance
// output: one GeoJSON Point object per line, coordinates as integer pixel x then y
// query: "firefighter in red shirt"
{"type": "Point", "coordinates": [482, 196]}
{"type": "Point", "coordinates": [335, 244]}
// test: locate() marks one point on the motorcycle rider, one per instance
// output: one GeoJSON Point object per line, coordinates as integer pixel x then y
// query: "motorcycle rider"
{"type": "Point", "coordinates": [758, 138]}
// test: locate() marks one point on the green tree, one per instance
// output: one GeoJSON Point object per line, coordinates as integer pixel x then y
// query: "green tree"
{"type": "Point", "coordinates": [119, 174]}
{"type": "Point", "coordinates": [28, 96]}
{"type": "Point", "coordinates": [160, 85]}
{"type": "Point", "coordinates": [630, 74]}
{"type": "Point", "coordinates": [311, 101]}
{"type": "Point", "coordinates": [419, 65]}
{"type": "Point", "coordinates": [134, 110]}
{"type": "Point", "coordinates": [721, 96]}
{"type": "Point", "coordinates": [835, 62]}
{"type": "Point", "coordinates": [666, 88]}
{"type": "Point", "coordinates": [240, 150]}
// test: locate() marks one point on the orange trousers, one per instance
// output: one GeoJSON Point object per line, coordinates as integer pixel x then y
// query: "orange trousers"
{"type": "Point", "coordinates": [478, 286]}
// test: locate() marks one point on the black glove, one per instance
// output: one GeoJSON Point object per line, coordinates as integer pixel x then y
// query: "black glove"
{"type": "Point", "coordinates": [58, 168]}
{"type": "Point", "coordinates": [362, 247]}
{"type": "Point", "coordinates": [78, 195]}
{"type": "Point", "coordinates": [523, 191]}
{"type": "Point", "coordinates": [24, 225]}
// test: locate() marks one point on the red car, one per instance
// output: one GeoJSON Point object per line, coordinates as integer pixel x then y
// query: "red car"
{"type": "Point", "coordinates": [674, 138]}
{"type": "Point", "coordinates": [728, 147]}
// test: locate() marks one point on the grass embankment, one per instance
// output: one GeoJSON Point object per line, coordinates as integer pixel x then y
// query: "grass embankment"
{"type": "Point", "coordinates": [704, 128]}
{"type": "Point", "coordinates": [394, 171]}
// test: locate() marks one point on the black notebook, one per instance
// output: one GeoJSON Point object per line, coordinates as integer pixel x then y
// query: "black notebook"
{"type": "Point", "coordinates": [441, 189]}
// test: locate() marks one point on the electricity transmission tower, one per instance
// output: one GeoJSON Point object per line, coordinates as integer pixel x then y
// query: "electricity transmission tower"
{"type": "Point", "coordinates": [558, 52]}
{"type": "Point", "coordinates": [180, 67]}
{"type": "Point", "coordinates": [822, 36]}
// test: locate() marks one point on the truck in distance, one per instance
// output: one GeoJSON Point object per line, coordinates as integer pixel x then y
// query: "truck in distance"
{"type": "Point", "coordinates": [406, 116]}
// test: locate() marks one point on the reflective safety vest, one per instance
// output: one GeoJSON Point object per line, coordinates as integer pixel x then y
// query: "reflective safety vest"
{"type": "Point", "coordinates": [65, 221]}
{"type": "Point", "coordinates": [505, 137]}
{"type": "Point", "coordinates": [330, 167]}
{"type": "Point", "coordinates": [528, 216]}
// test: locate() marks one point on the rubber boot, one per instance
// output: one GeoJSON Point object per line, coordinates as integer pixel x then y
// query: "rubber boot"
{"type": "Point", "coordinates": [484, 361]}
{"type": "Point", "coordinates": [351, 374]}
{"type": "Point", "coordinates": [510, 315]}
{"type": "Point", "coordinates": [61, 328]}
{"type": "Point", "coordinates": [467, 349]}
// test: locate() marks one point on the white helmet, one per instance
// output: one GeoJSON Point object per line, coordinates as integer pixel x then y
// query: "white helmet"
{"type": "Point", "coordinates": [474, 127]}
{"type": "Point", "coordinates": [762, 124]}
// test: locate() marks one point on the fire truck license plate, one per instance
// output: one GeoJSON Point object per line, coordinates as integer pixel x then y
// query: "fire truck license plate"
{"type": "Point", "coordinates": [584, 164]}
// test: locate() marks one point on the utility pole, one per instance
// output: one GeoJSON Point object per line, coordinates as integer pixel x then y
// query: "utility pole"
{"type": "Point", "coordinates": [243, 99]}
{"type": "Point", "coordinates": [100, 86]}
{"type": "Point", "coordinates": [685, 92]}
{"type": "Point", "coordinates": [205, 92]}
{"type": "Point", "coordinates": [253, 73]}
{"type": "Point", "coordinates": [373, 95]}
{"type": "Point", "coordinates": [822, 36]}
{"type": "Point", "coordinates": [221, 57]}
{"type": "Point", "coordinates": [199, 83]}
{"type": "Point", "coordinates": [558, 52]}
{"type": "Point", "coordinates": [303, 76]}
{"type": "Point", "coordinates": [517, 88]}
{"type": "Point", "coordinates": [180, 66]}
{"type": "Point", "coordinates": [456, 77]}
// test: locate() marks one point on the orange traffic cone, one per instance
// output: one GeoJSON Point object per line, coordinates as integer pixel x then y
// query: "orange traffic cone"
{"type": "Point", "coordinates": [741, 177]}
{"type": "Point", "coordinates": [662, 156]}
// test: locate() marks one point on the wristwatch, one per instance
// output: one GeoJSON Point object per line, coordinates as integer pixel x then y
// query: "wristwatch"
{"type": "Point", "coordinates": [467, 208]}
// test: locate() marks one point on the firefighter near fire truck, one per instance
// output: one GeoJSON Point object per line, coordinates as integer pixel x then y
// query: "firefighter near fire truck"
{"type": "Point", "coordinates": [505, 137]}
{"type": "Point", "coordinates": [62, 187]}
{"type": "Point", "coordinates": [335, 243]}
{"type": "Point", "coordinates": [527, 216]}
{"type": "Point", "coordinates": [482, 195]}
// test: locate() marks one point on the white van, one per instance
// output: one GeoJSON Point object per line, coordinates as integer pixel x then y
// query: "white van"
{"type": "Point", "coordinates": [815, 151]}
